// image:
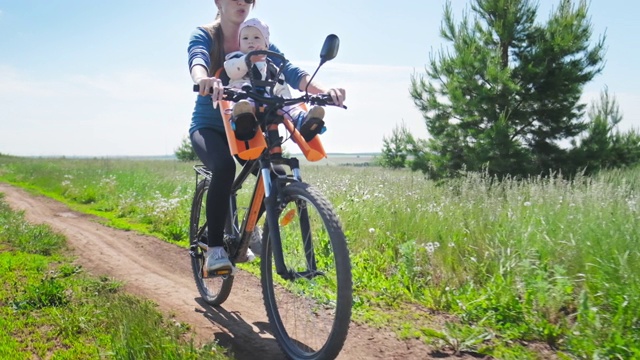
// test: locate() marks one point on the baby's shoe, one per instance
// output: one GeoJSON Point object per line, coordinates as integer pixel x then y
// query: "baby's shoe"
{"type": "Point", "coordinates": [244, 121]}
{"type": "Point", "coordinates": [312, 124]}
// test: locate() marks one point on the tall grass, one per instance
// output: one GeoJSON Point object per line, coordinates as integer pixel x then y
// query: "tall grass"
{"type": "Point", "coordinates": [50, 309]}
{"type": "Point", "coordinates": [544, 259]}
{"type": "Point", "coordinates": [155, 196]}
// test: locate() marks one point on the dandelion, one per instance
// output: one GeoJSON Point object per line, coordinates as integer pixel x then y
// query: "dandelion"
{"type": "Point", "coordinates": [429, 247]}
{"type": "Point", "coordinates": [372, 230]}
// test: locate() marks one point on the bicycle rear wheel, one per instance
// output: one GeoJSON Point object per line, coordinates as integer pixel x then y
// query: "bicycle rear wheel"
{"type": "Point", "coordinates": [213, 290]}
{"type": "Point", "coordinates": [310, 314]}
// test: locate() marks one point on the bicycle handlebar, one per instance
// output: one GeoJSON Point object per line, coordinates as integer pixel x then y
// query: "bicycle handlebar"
{"type": "Point", "coordinates": [237, 95]}
{"type": "Point", "coordinates": [269, 53]}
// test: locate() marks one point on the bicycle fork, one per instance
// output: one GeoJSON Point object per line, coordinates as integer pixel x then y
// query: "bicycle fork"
{"type": "Point", "coordinates": [271, 210]}
{"type": "Point", "coordinates": [271, 201]}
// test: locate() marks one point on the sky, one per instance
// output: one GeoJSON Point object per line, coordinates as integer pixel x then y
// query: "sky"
{"type": "Point", "coordinates": [110, 78]}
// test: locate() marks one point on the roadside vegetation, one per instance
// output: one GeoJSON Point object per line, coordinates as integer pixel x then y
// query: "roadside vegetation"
{"type": "Point", "coordinates": [471, 251]}
{"type": "Point", "coordinates": [51, 309]}
{"type": "Point", "coordinates": [519, 269]}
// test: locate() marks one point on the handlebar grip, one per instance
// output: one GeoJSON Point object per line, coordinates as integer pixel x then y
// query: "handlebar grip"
{"type": "Point", "coordinates": [328, 100]}
{"type": "Point", "coordinates": [196, 88]}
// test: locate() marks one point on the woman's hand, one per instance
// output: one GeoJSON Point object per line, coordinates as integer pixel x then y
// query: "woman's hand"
{"type": "Point", "coordinates": [208, 83]}
{"type": "Point", "coordinates": [338, 95]}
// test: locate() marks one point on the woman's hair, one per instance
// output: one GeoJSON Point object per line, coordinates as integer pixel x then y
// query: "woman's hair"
{"type": "Point", "coordinates": [217, 52]}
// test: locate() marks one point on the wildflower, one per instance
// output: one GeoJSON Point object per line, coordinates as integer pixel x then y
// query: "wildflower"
{"type": "Point", "coordinates": [372, 230]}
{"type": "Point", "coordinates": [430, 248]}
{"type": "Point", "coordinates": [527, 203]}
{"type": "Point", "coordinates": [631, 203]}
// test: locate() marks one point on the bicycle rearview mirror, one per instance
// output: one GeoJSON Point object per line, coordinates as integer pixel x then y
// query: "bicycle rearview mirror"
{"type": "Point", "coordinates": [329, 48]}
{"type": "Point", "coordinates": [328, 52]}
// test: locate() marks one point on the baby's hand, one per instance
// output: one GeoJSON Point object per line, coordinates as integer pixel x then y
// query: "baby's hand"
{"type": "Point", "coordinates": [258, 58]}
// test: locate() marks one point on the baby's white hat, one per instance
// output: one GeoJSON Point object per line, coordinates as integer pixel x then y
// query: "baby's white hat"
{"type": "Point", "coordinates": [256, 23]}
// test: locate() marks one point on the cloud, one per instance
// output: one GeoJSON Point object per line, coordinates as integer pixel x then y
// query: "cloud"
{"type": "Point", "coordinates": [124, 113]}
{"type": "Point", "coordinates": [141, 112]}
{"type": "Point", "coordinates": [377, 100]}
{"type": "Point", "coordinates": [138, 112]}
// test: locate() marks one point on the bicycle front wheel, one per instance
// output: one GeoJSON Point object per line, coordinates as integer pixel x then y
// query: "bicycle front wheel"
{"type": "Point", "coordinates": [309, 314]}
{"type": "Point", "coordinates": [213, 290]}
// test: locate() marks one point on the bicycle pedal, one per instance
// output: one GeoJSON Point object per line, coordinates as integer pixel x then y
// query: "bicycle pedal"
{"type": "Point", "coordinates": [222, 272]}
{"type": "Point", "coordinates": [219, 273]}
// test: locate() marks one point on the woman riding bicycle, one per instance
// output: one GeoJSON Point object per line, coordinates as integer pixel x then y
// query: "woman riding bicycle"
{"type": "Point", "coordinates": [208, 46]}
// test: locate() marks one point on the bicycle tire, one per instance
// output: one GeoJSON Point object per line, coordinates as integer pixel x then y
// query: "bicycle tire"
{"type": "Point", "coordinates": [323, 302]}
{"type": "Point", "coordinates": [213, 290]}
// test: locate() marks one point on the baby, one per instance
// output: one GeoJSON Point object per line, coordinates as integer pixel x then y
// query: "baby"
{"type": "Point", "coordinates": [254, 35]}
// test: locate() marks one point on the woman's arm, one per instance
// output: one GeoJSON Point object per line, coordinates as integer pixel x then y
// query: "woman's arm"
{"type": "Point", "coordinates": [338, 95]}
{"type": "Point", "coordinates": [299, 79]}
{"type": "Point", "coordinates": [198, 50]}
{"type": "Point", "coordinates": [199, 62]}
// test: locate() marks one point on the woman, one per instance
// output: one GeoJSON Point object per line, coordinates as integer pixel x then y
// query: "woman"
{"type": "Point", "coordinates": [208, 46]}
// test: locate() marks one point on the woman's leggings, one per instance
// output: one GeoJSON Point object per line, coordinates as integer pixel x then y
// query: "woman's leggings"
{"type": "Point", "coordinates": [212, 149]}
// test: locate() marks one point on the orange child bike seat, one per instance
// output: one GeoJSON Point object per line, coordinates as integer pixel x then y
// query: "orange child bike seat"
{"type": "Point", "coordinates": [313, 150]}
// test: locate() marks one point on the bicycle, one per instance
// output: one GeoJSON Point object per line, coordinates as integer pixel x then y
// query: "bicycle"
{"type": "Point", "coordinates": [305, 268]}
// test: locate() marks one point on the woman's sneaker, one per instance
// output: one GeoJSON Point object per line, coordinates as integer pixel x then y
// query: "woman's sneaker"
{"type": "Point", "coordinates": [312, 124]}
{"type": "Point", "coordinates": [217, 261]}
{"type": "Point", "coordinates": [244, 120]}
{"type": "Point", "coordinates": [255, 243]}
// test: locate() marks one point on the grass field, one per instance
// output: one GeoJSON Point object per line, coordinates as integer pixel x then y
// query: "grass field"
{"type": "Point", "coordinates": [510, 263]}
{"type": "Point", "coordinates": [51, 309]}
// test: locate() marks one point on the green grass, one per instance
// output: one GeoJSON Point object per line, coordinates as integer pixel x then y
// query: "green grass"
{"type": "Point", "coordinates": [546, 261]}
{"type": "Point", "coordinates": [51, 309]}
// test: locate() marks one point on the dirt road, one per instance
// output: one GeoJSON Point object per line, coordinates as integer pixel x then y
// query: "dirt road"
{"type": "Point", "coordinates": [161, 272]}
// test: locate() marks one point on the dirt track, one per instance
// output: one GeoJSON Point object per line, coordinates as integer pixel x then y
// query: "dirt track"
{"type": "Point", "coordinates": [161, 272]}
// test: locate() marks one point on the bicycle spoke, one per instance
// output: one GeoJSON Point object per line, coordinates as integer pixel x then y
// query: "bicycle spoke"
{"type": "Point", "coordinates": [311, 312]}
{"type": "Point", "coordinates": [213, 290]}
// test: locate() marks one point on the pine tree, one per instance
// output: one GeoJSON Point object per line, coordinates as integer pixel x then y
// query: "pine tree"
{"type": "Point", "coordinates": [185, 151]}
{"type": "Point", "coordinates": [508, 89]}
{"type": "Point", "coordinates": [603, 145]}
{"type": "Point", "coordinates": [395, 147]}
